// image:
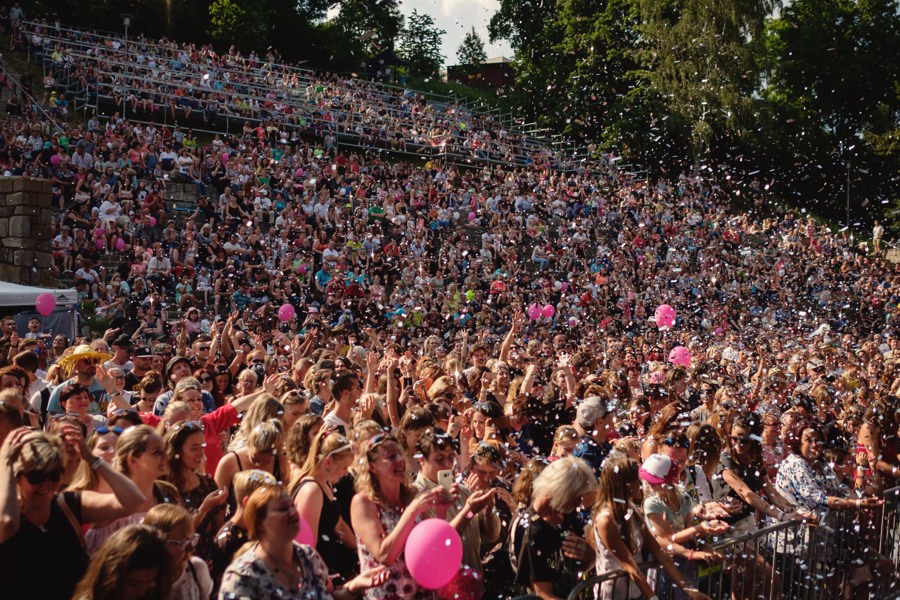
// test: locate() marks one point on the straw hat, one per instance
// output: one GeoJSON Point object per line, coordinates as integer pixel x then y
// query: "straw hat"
{"type": "Point", "coordinates": [81, 352]}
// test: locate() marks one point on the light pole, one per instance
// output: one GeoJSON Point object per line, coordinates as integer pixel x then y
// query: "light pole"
{"type": "Point", "coordinates": [126, 22]}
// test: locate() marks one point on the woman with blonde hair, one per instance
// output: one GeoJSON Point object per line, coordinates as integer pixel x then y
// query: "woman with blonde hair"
{"type": "Point", "coordinates": [313, 492]}
{"type": "Point", "coordinates": [264, 408]}
{"type": "Point", "coordinates": [191, 574]}
{"type": "Point", "coordinates": [272, 565]}
{"type": "Point", "coordinates": [140, 456]}
{"type": "Point", "coordinates": [544, 550]}
{"type": "Point", "coordinates": [133, 563]}
{"type": "Point", "coordinates": [264, 451]}
{"type": "Point", "coordinates": [38, 524]}
{"type": "Point", "coordinates": [102, 444]}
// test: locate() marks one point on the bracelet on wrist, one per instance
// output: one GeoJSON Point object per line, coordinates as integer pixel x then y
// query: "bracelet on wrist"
{"type": "Point", "coordinates": [97, 463]}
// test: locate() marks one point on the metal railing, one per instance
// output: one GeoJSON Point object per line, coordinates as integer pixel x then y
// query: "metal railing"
{"type": "Point", "coordinates": [851, 554]}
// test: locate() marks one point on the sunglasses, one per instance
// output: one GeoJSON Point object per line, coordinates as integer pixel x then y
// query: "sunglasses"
{"type": "Point", "coordinates": [741, 440]}
{"type": "Point", "coordinates": [189, 425]}
{"type": "Point", "coordinates": [680, 441]}
{"type": "Point", "coordinates": [205, 379]}
{"type": "Point", "coordinates": [104, 430]}
{"type": "Point", "coordinates": [380, 439]}
{"type": "Point", "coordinates": [89, 361]}
{"type": "Point", "coordinates": [39, 477]}
{"type": "Point", "coordinates": [203, 349]}
{"type": "Point", "coordinates": [186, 545]}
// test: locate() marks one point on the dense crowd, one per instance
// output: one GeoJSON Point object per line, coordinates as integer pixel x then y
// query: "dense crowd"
{"type": "Point", "coordinates": [361, 345]}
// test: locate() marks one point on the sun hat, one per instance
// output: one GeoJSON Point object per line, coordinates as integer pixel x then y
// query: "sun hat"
{"type": "Point", "coordinates": [81, 352]}
{"type": "Point", "coordinates": [655, 469]}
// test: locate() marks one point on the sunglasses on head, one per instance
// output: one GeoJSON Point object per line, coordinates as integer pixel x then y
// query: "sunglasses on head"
{"type": "Point", "coordinates": [681, 441]}
{"type": "Point", "coordinates": [189, 425]}
{"type": "Point", "coordinates": [104, 430]}
{"type": "Point", "coordinates": [39, 477]}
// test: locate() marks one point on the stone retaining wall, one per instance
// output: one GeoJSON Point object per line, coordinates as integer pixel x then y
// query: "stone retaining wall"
{"type": "Point", "coordinates": [25, 218]}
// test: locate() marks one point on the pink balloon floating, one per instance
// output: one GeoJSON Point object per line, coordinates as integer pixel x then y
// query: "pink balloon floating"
{"type": "Point", "coordinates": [534, 312]}
{"type": "Point", "coordinates": [285, 313]}
{"type": "Point", "coordinates": [433, 553]}
{"type": "Point", "coordinates": [45, 303]}
{"type": "Point", "coordinates": [54, 160]}
{"type": "Point", "coordinates": [680, 357]}
{"type": "Point", "coordinates": [664, 316]}
{"type": "Point", "coordinates": [120, 244]}
{"type": "Point", "coordinates": [305, 536]}
{"type": "Point", "coordinates": [100, 243]}
{"type": "Point", "coordinates": [152, 221]}
{"type": "Point", "coordinates": [548, 311]}
{"type": "Point", "coordinates": [564, 286]}
{"type": "Point", "coordinates": [472, 216]}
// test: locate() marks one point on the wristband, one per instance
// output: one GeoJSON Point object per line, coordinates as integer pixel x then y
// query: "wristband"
{"type": "Point", "coordinates": [691, 555]}
{"type": "Point", "coordinates": [97, 463]}
{"type": "Point", "coordinates": [858, 503]}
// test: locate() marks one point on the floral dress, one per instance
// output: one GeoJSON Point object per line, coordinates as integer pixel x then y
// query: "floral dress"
{"type": "Point", "coordinates": [400, 585]}
{"type": "Point", "coordinates": [248, 578]}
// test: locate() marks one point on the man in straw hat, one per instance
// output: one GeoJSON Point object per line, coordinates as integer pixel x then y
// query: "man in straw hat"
{"type": "Point", "coordinates": [84, 365]}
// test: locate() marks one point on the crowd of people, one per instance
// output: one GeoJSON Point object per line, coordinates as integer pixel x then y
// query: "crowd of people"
{"type": "Point", "coordinates": [162, 79]}
{"type": "Point", "coordinates": [330, 334]}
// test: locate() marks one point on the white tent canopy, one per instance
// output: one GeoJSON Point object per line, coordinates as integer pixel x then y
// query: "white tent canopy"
{"type": "Point", "coordinates": [12, 294]}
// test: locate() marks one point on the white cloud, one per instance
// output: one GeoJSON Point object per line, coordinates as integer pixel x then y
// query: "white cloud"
{"type": "Point", "coordinates": [456, 17]}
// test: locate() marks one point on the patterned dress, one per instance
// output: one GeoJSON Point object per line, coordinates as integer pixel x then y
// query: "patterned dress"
{"type": "Point", "coordinates": [400, 585]}
{"type": "Point", "coordinates": [248, 578]}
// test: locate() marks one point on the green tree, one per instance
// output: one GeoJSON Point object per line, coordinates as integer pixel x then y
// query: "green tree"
{"type": "Point", "coordinates": [834, 86]}
{"type": "Point", "coordinates": [471, 50]}
{"type": "Point", "coordinates": [244, 24]}
{"type": "Point", "coordinates": [373, 24]}
{"type": "Point", "coordinates": [420, 44]}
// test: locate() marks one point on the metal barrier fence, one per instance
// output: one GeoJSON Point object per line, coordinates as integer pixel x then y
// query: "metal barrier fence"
{"type": "Point", "coordinates": [852, 554]}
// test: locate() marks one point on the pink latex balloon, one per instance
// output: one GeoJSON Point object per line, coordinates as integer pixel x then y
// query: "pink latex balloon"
{"type": "Point", "coordinates": [120, 244]}
{"type": "Point", "coordinates": [472, 216]}
{"type": "Point", "coordinates": [224, 157]}
{"type": "Point", "coordinates": [564, 286]}
{"type": "Point", "coordinates": [45, 303]}
{"type": "Point", "coordinates": [548, 311]}
{"type": "Point", "coordinates": [664, 316]}
{"type": "Point", "coordinates": [305, 536]}
{"type": "Point", "coordinates": [433, 553]}
{"type": "Point", "coordinates": [680, 357]}
{"type": "Point", "coordinates": [152, 221]}
{"type": "Point", "coordinates": [54, 160]}
{"type": "Point", "coordinates": [100, 243]}
{"type": "Point", "coordinates": [286, 313]}
{"type": "Point", "coordinates": [534, 312]}
{"type": "Point", "coordinates": [718, 331]}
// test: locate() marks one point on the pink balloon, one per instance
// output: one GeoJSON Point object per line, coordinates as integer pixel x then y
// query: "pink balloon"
{"type": "Point", "coordinates": [301, 269]}
{"type": "Point", "coordinates": [472, 216]}
{"type": "Point", "coordinates": [120, 244]}
{"type": "Point", "coordinates": [45, 303]}
{"type": "Point", "coordinates": [548, 311]}
{"type": "Point", "coordinates": [54, 160]}
{"type": "Point", "coordinates": [433, 553]}
{"type": "Point", "coordinates": [100, 243]}
{"type": "Point", "coordinates": [224, 157]}
{"type": "Point", "coordinates": [286, 313]}
{"type": "Point", "coordinates": [680, 357]}
{"type": "Point", "coordinates": [534, 312]}
{"type": "Point", "coordinates": [152, 221]}
{"type": "Point", "coordinates": [564, 286]}
{"type": "Point", "coordinates": [718, 331]}
{"type": "Point", "coordinates": [305, 536]}
{"type": "Point", "coordinates": [664, 316]}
